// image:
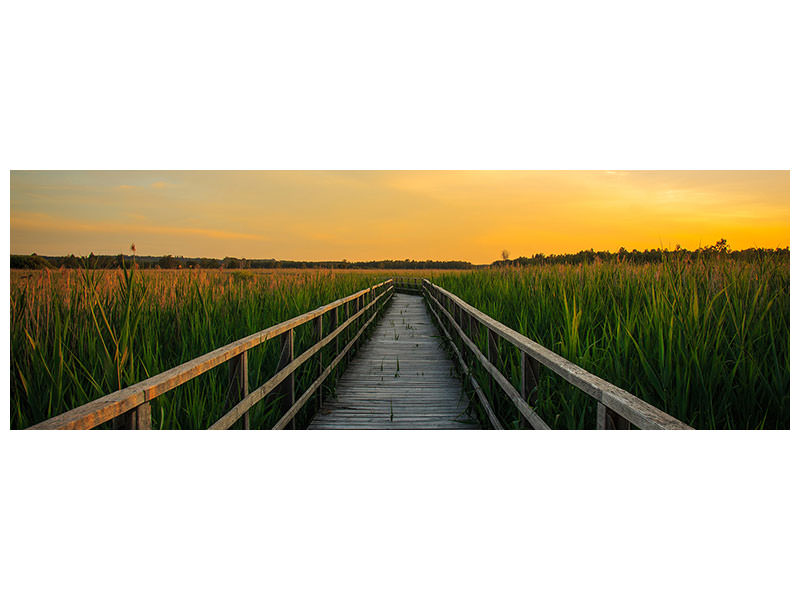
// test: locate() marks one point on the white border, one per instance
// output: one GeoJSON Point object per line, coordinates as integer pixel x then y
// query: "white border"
{"type": "Point", "coordinates": [434, 85]}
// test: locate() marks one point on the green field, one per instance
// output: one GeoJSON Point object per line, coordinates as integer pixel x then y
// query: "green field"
{"type": "Point", "coordinates": [707, 342]}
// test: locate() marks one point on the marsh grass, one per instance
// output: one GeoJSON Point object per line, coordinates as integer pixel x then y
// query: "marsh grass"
{"type": "Point", "coordinates": [78, 335]}
{"type": "Point", "coordinates": [707, 342]}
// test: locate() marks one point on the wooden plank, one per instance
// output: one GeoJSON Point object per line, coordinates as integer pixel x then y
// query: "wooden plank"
{"type": "Point", "coordinates": [369, 398]}
{"type": "Point", "coordinates": [630, 407]}
{"type": "Point", "coordinates": [103, 409]}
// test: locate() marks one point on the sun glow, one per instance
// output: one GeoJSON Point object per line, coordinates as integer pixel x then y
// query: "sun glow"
{"type": "Point", "coordinates": [363, 215]}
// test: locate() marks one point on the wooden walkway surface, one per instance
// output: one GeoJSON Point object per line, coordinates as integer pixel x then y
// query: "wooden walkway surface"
{"type": "Point", "coordinates": [401, 378]}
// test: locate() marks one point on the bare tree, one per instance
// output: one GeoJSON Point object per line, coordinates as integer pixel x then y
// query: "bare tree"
{"type": "Point", "coordinates": [504, 254]}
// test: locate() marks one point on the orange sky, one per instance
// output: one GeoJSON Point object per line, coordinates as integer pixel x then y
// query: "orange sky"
{"type": "Point", "coordinates": [363, 215]}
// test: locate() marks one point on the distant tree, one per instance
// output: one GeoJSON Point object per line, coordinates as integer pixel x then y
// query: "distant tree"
{"type": "Point", "coordinates": [34, 261]}
{"type": "Point", "coordinates": [71, 262]}
{"type": "Point", "coordinates": [235, 263]}
{"type": "Point", "coordinates": [167, 262]}
{"type": "Point", "coordinates": [504, 254]}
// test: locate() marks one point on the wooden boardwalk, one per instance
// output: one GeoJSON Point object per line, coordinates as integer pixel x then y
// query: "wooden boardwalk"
{"type": "Point", "coordinates": [401, 378]}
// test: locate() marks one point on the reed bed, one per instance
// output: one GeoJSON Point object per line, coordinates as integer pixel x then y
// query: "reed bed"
{"type": "Point", "coordinates": [78, 335]}
{"type": "Point", "coordinates": [707, 342]}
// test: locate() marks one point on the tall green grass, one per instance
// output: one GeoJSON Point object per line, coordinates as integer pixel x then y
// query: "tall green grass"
{"type": "Point", "coordinates": [707, 342]}
{"type": "Point", "coordinates": [78, 335]}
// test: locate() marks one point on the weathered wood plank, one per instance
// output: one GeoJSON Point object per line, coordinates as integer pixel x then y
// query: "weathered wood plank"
{"type": "Point", "coordinates": [367, 397]}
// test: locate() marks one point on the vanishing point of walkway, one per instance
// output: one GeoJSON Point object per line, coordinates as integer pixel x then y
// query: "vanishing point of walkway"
{"type": "Point", "coordinates": [399, 379]}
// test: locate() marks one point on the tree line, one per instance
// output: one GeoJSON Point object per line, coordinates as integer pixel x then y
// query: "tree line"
{"type": "Point", "coordinates": [655, 255]}
{"type": "Point", "coordinates": [721, 248]}
{"type": "Point", "coordinates": [34, 261]}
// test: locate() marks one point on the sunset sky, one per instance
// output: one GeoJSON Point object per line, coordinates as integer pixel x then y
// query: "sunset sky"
{"type": "Point", "coordinates": [364, 215]}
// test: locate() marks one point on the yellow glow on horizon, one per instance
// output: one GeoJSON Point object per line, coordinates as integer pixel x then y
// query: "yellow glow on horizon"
{"type": "Point", "coordinates": [374, 215]}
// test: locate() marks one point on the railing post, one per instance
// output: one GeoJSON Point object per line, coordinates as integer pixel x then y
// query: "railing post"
{"type": "Point", "coordinates": [320, 357]}
{"type": "Point", "coordinates": [459, 316]}
{"type": "Point", "coordinates": [359, 306]}
{"type": "Point", "coordinates": [238, 385]}
{"type": "Point", "coordinates": [608, 419]}
{"type": "Point", "coordinates": [347, 331]}
{"type": "Point", "coordinates": [144, 419]}
{"type": "Point", "coordinates": [286, 388]}
{"type": "Point", "coordinates": [334, 323]}
{"type": "Point", "coordinates": [360, 321]}
{"type": "Point", "coordinates": [492, 353]}
{"type": "Point", "coordinates": [136, 418]}
{"type": "Point", "coordinates": [528, 383]}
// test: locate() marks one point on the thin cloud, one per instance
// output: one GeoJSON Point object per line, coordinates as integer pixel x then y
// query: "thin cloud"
{"type": "Point", "coordinates": [45, 223]}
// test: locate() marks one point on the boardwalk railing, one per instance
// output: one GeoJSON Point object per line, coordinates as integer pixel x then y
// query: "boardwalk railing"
{"type": "Point", "coordinates": [411, 285]}
{"type": "Point", "coordinates": [461, 324]}
{"type": "Point", "coordinates": [130, 407]}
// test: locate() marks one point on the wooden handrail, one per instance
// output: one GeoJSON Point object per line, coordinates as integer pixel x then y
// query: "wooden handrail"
{"type": "Point", "coordinates": [408, 283]}
{"type": "Point", "coordinates": [138, 396]}
{"type": "Point", "coordinates": [611, 399]}
{"type": "Point", "coordinates": [251, 399]}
